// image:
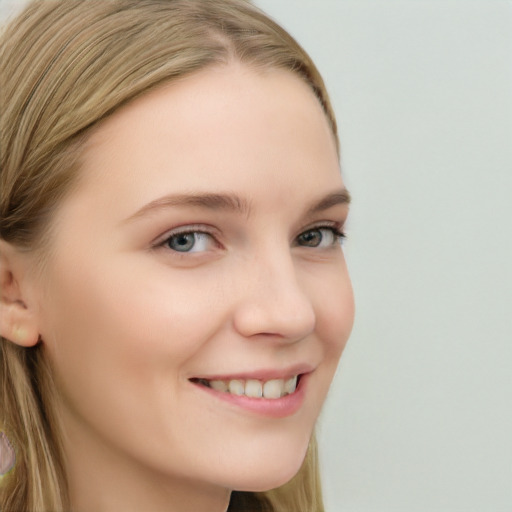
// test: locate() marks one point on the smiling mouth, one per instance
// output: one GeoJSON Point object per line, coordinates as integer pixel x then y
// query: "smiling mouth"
{"type": "Point", "coordinates": [270, 389]}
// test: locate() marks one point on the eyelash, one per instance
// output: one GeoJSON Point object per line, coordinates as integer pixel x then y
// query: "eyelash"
{"type": "Point", "coordinates": [337, 232]}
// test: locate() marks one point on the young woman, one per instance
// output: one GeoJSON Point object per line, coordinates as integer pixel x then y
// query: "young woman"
{"type": "Point", "coordinates": [174, 297]}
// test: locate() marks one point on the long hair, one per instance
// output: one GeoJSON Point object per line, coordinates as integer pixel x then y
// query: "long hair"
{"type": "Point", "coordinates": [64, 67]}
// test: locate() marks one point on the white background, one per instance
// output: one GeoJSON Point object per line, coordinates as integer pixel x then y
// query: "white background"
{"type": "Point", "coordinates": [420, 416]}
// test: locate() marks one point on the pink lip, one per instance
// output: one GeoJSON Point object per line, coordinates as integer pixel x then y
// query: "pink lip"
{"type": "Point", "coordinates": [272, 408]}
{"type": "Point", "coordinates": [263, 375]}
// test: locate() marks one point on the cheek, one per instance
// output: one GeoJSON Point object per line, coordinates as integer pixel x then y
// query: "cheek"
{"type": "Point", "coordinates": [122, 338]}
{"type": "Point", "coordinates": [334, 305]}
{"type": "Point", "coordinates": [129, 300]}
{"type": "Point", "coordinates": [118, 326]}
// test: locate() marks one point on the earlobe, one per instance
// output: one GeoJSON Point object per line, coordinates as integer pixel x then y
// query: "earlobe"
{"type": "Point", "coordinates": [18, 322]}
{"type": "Point", "coordinates": [16, 325]}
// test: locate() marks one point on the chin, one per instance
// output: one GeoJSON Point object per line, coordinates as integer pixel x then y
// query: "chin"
{"type": "Point", "coordinates": [277, 471]}
{"type": "Point", "coordinates": [268, 483]}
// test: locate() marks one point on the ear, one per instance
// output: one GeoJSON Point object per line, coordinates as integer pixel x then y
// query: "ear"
{"type": "Point", "coordinates": [18, 319]}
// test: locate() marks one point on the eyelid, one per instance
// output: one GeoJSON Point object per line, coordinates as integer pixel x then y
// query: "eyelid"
{"type": "Point", "coordinates": [336, 226]}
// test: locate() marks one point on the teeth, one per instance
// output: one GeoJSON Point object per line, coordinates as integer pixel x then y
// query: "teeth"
{"type": "Point", "coordinates": [290, 385]}
{"type": "Point", "coordinates": [253, 388]}
{"type": "Point", "coordinates": [219, 385]}
{"type": "Point", "coordinates": [236, 387]}
{"type": "Point", "coordinates": [271, 389]}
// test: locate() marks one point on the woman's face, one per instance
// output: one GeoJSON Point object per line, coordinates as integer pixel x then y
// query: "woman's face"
{"type": "Point", "coordinates": [198, 252]}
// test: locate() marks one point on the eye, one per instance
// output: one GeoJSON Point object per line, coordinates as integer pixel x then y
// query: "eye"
{"type": "Point", "coordinates": [320, 237]}
{"type": "Point", "coordinates": [190, 241]}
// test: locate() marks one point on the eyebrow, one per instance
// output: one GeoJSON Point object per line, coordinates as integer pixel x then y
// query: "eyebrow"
{"type": "Point", "coordinates": [230, 203]}
{"type": "Point", "coordinates": [341, 197]}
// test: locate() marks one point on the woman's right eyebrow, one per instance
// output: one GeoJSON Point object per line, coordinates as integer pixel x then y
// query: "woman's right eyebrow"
{"type": "Point", "coordinates": [207, 201]}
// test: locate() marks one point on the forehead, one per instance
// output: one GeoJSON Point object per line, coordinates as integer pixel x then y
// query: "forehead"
{"type": "Point", "coordinates": [226, 127]}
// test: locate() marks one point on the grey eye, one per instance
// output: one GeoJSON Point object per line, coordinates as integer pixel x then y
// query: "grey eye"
{"type": "Point", "coordinates": [182, 242]}
{"type": "Point", "coordinates": [193, 241]}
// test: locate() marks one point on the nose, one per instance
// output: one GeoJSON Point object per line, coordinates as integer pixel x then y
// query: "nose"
{"type": "Point", "coordinates": [273, 302]}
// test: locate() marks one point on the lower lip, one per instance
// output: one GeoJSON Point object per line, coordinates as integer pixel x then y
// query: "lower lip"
{"type": "Point", "coordinates": [273, 408]}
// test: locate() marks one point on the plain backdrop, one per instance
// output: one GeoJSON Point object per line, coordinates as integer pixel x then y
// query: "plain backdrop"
{"type": "Point", "coordinates": [419, 418]}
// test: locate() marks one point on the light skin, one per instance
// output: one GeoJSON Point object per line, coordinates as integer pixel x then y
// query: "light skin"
{"type": "Point", "coordinates": [245, 159]}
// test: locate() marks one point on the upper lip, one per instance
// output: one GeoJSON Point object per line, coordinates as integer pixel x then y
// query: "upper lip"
{"type": "Point", "coordinates": [261, 374]}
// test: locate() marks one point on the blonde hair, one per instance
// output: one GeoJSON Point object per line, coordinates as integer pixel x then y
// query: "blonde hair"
{"type": "Point", "coordinates": [64, 67]}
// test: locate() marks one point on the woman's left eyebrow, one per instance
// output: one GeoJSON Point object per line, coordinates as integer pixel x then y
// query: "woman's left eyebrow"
{"type": "Point", "coordinates": [339, 197]}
